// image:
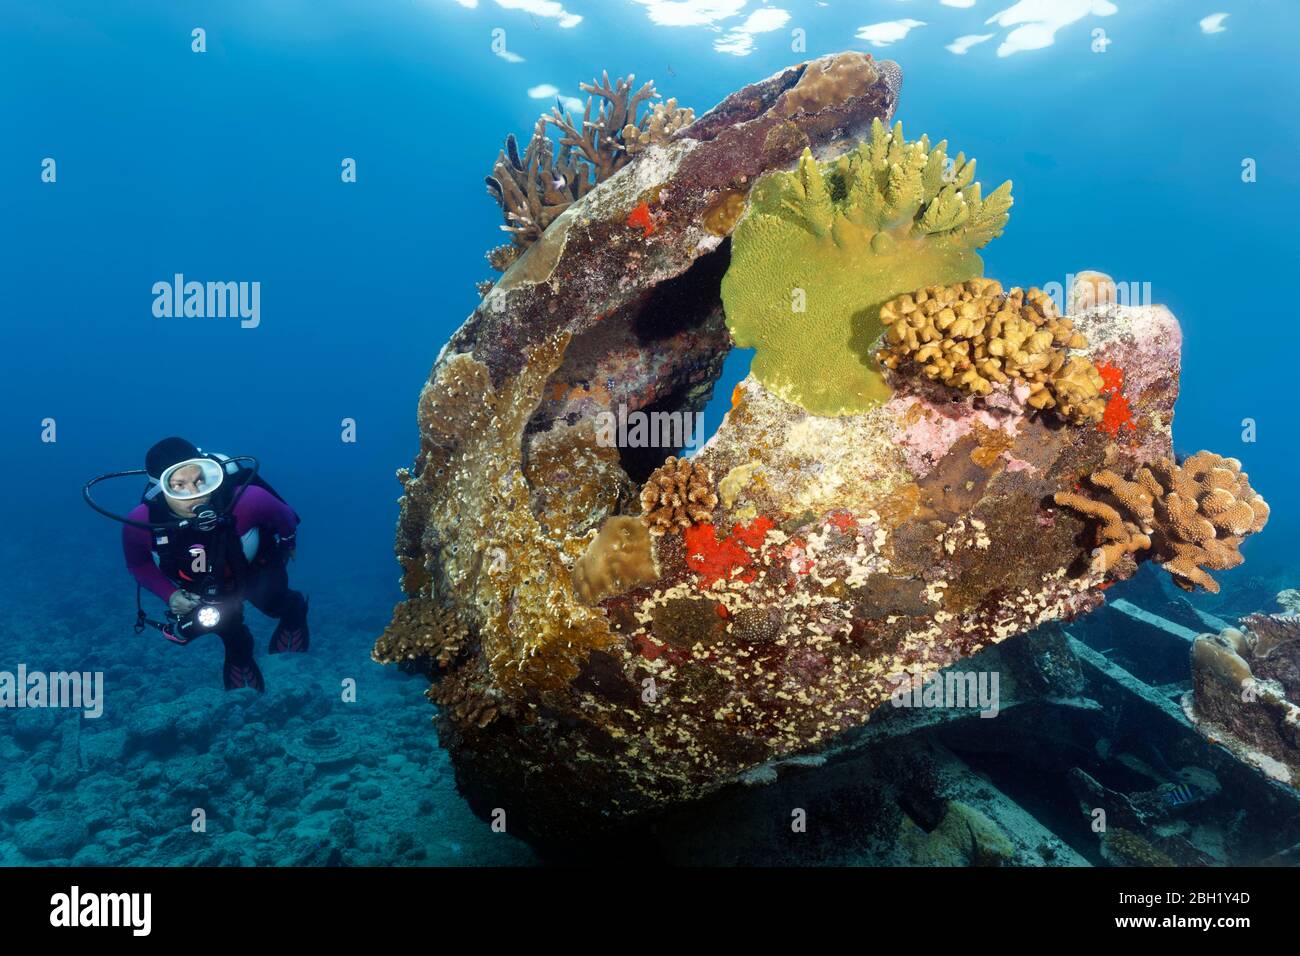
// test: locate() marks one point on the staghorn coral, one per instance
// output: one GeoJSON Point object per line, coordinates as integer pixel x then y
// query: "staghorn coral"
{"type": "Point", "coordinates": [618, 559]}
{"type": "Point", "coordinates": [677, 495]}
{"type": "Point", "coordinates": [535, 188]}
{"type": "Point", "coordinates": [661, 123]}
{"type": "Point", "coordinates": [1193, 516]}
{"type": "Point", "coordinates": [602, 141]}
{"type": "Point", "coordinates": [972, 336]}
{"type": "Point", "coordinates": [823, 247]}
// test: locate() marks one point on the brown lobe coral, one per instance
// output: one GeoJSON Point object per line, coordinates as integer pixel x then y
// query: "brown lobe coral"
{"type": "Point", "coordinates": [618, 559]}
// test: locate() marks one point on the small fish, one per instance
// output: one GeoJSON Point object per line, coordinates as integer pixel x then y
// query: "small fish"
{"type": "Point", "coordinates": [1181, 794]}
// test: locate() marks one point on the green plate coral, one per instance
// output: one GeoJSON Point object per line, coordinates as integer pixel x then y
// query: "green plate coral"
{"type": "Point", "coordinates": [823, 247]}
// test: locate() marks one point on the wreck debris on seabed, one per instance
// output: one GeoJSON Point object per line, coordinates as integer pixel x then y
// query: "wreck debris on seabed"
{"type": "Point", "coordinates": [919, 466]}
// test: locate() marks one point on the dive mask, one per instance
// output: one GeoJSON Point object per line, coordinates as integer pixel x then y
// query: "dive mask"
{"type": "Point", "coordinates": [194, 478]}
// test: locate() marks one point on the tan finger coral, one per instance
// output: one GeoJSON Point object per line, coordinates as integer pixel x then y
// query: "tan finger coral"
{"type": "Point", "coordinates": [973, 336]}
{"type": "Point", "coordinates": [600, 139]}
{"type": "Point", "coordinates": [1194, 515]}
{"type": "Point", "coordinates": [1116, 537]}
{"type": "Point", "coordinates": [677, 495]}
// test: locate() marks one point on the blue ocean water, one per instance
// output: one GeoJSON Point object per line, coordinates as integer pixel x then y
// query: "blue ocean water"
{"type": "Point", "coordinates": [1126, 150]}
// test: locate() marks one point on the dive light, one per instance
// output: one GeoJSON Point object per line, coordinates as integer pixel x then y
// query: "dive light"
{"type": "Point", "coordinates": [203, 619]}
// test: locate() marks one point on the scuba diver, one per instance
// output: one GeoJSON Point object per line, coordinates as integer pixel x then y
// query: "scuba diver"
{"type": "Point", "coordinates": [208, 535]}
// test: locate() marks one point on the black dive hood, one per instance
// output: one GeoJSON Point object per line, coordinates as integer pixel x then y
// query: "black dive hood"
{"type": "Point", "coordinates": [205, 517]}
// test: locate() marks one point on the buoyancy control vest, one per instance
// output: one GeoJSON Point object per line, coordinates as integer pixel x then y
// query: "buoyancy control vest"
{"type": "Point", "coordinates": [188, 555]}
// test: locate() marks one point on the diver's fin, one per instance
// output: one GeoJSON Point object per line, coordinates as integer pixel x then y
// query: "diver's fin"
{"type": "Point", "coordinates": [243, 675]}
{"type": "Point", "coordinates": [292, 637]}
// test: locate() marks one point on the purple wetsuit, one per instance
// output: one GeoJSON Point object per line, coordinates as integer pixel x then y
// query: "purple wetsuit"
{"type": "Point", "coordinates": [256, 508]}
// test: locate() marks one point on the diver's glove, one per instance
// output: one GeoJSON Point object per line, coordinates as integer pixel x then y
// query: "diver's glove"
{"type": "Point", "coordinates": [182, 602]}
{"type": "Point", "coordinates": [287, 547]}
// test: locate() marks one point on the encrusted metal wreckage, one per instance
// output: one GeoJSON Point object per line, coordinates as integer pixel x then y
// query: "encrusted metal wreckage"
{"type": "Point", "coordinates": [610, 637]}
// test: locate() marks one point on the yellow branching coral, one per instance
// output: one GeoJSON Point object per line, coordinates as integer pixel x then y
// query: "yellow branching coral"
{"type": "Point", "coordinates": [972, 336]}
{"type": "Point", "coordinates": [1192, 516]}
{"type": "Point", "coordinates": [822, 246]}
{"type": "Point", "coordinates": [679, 494]}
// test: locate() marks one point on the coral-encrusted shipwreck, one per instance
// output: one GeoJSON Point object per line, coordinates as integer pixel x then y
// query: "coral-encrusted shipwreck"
{"type": "Point", "coordinates": [590, 673]}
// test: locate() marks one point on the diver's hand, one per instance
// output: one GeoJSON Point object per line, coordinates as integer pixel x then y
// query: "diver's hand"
{"type": "Point", "coordinates": [182, 602]}
{"type": "Point", "coordinates": [287, 548]}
